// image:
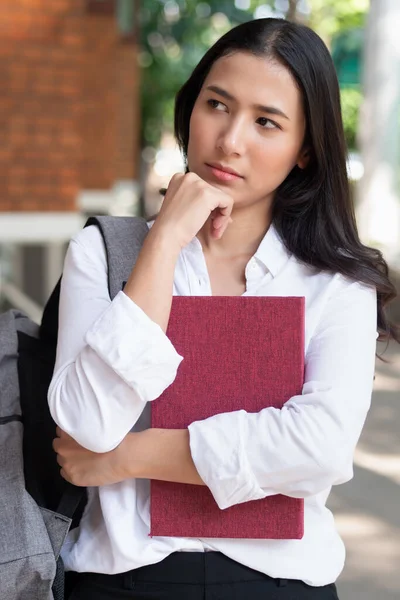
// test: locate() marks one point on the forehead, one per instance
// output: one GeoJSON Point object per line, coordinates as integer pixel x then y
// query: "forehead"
{"type": "Point", "coordinates": [255, 80]}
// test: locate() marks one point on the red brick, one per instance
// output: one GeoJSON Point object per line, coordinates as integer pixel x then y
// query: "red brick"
{"type": "Point", "coordinates": [6, 51]}
{"type": "Point", "coordinates": [7, 205]}
{"type": "Point", "coordinates": [65, 56]}
{"type": "Point", "coordinates": [69, 91]}
{"type": "Point", "coordinates": [30, 204]}
{"type": "Point", "coordinates": [68, 175]}
{"type": "Point", "coordinates": [7, 104]}
{"type": "Point", "coordinates": [6, 155]}
{"type": "Point", "coordinates": [73, 25]}
{"type": "Point", "coordinates": [16, 190]}
{"type": "Point", "coordinates": [17, 173]}
{"type": "Point", "coordinates": [43, 190]}
{"type": "Point", "coordinates": [61, 7]}
{"type": "Point", "coordinates": [67, 189]}
{"type": "Point", "coordinates": [42, 140]}
{"type": "Point", "coordinates": [29, 5]}
{"type": "Point", "coordinates": [29, 26]}
{"type": "Point", "coordinates": [31, 52]}
{"type": "Point", "coordinates": [72, 40]}
{"type": "Point", "coordinates": [16, 139]}
{"type": "Point", "coordinates": [68, 106]}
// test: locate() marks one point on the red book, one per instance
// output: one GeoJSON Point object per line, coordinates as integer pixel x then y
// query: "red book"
{"type": "Point", "coordinates": [240, 352]}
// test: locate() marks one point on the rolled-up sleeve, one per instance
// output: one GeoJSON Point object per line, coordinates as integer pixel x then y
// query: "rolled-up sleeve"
{"type": "Point", "coordinates": [111, 357]}
{"type": "Point", "coordinates": [308, 445]}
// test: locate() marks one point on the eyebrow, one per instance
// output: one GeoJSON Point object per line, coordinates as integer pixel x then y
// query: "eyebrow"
{"type": "Point", "coordinates": [272, 110]}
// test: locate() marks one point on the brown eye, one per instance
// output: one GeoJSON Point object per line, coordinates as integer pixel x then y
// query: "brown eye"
{"type": "Point", "coordinates": [215, 104]}
{"type": "Point", "coordinates": [267, 123]}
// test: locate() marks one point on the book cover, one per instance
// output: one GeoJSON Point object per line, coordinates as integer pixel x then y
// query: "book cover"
{"type": "Point", "coordinates": [240, 352]}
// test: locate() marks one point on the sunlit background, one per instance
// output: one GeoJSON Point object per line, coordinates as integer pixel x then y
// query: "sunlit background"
{"type": "Point", "coordinates": [86, 111]}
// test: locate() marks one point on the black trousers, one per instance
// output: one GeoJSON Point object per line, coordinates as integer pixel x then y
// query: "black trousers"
{"type": "Point", "coordinates": [193, 576]}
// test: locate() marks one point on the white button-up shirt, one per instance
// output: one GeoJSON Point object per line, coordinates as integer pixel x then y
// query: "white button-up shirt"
{"type": "Point", "coordinates": [112, 359]}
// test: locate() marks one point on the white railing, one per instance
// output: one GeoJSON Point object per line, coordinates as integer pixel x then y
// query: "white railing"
{"type": "Point", "coordinates": [18, 299]}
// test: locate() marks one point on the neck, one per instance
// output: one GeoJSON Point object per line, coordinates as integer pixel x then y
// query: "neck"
{"type": "Point", "coordinates": [243, 236]}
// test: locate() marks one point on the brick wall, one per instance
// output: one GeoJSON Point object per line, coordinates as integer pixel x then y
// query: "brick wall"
{"type": "Point", "coordinates": [68, 104]}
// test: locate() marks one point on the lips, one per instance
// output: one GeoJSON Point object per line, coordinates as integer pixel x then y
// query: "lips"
{"type": "Point", "coordinates": [224, 169]}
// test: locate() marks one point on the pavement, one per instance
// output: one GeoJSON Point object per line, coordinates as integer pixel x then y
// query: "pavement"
{"type": "Point", "coordinates": [367, 508]}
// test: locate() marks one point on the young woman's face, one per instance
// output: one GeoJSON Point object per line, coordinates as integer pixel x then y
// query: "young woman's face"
{"type": "Point", "coordinates": [247, 118]}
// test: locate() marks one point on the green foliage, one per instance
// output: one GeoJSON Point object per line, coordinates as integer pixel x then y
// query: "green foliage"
{"type": "Point", "coordinates": [347, 50]}
{"type": "Point", "coordinates": [174, 36]}
{"type": "Point", "coordinates": [329, 17]}
{"type": "Point", "coordinates": [342, 22]}
{"type": "Point", "coordinates": [351, 99]}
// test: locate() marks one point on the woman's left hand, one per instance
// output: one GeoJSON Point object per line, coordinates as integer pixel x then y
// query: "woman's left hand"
{"type": "Point", "coordinates": [84, 468]}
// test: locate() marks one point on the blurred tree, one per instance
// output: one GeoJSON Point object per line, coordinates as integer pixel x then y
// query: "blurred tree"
{"type": "Point", "coordinates": [176, 33]}
{"type": "Point", "coordinates": [174, 36]}
{"type": "Point", "coordinates": [351, 100]}
{"type": "Point", "coordinates": [347, 49]}
{"type": "Point", "coordinates": [331, 17]}
{"type": "Point", "coordinates": [378, 208]}
{"type": "Point", "coordinates": [340, 23]}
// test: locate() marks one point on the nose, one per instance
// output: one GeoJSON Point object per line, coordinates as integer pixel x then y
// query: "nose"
{"type": "Point", "coordinates": [232, 137]}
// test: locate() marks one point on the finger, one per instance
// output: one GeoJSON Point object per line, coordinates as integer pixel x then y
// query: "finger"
{"type": "Point", "coordinates": [219, 231]}
{"type": "Point", "coordinates": [220, 204]}
{"type": "Point", "coordinates": [174, 184]}
{"type": "Point", "coordinates": [222, 221]}
{"type": "Point", "coordinates": [63, 435]}
{"type": "Point", "coordinates": [64, 475]}
{"type": "Point", "coordinates": [225, 205]}
{"type": "Point", "coordinates": [55, 444]}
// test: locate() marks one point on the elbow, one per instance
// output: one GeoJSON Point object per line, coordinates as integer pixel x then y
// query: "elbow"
{"type": "Point", "coordinates": [339, 469]}
{"type": "Point", "coordinates": [92, 439]}
{"type": "Point", "coordinates": [324, 480]}
{"type": "Point", "coordinates": [96, 447]}
{"type": "Point", "coordinates": [87, 430]}
{"type": "Point", "coordinates": [55, 404]}
{"type": "Point", "coordinates": [335, 470]}
{"type": "Point", "coordinates": [336, 465]}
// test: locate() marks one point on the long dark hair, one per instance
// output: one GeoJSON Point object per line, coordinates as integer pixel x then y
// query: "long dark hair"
{"type": "Point", "coordinates": [313, 211]}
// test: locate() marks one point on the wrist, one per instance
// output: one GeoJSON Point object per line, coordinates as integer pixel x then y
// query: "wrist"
{"type": "Point", "coordinates": [162, 454]}
{"type": "Point", "coordinates": [164, 239]}
{"type": "Point", "coordinates": [126, 455]}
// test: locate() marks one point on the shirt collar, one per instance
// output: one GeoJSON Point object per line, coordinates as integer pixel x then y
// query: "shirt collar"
{"type": "Point", "coordinates": [272, 251]}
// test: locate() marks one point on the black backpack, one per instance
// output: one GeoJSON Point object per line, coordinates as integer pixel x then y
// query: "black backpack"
{"type": "Point", "coordinates": [33, 477]}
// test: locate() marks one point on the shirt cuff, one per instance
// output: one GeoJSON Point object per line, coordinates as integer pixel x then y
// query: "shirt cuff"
{"type": "Point", "coordinates": [135, 347]}
{"type": "Point", "coordinates": [216, 446]}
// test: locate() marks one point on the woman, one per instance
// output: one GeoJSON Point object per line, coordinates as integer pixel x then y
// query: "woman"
{"type": "Point", "coordinates": [263, 209]}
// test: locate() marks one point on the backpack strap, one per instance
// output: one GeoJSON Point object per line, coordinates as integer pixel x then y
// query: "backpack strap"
{"type": "Point", "coordinates": [70, 500]}
{"type": "Point", "coordinates": [123, 239]}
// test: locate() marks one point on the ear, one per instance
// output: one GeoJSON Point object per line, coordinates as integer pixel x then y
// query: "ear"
{"type": "Point", "coordinates": [303, 158]}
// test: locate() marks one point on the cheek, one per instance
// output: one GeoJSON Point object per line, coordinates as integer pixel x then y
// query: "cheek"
{"type": "Point", "coordinates": [277, 156]}
{"type": "Point", "coordinates": [272, 161]}
{"type": "Point", "coordinates": [196, 132]}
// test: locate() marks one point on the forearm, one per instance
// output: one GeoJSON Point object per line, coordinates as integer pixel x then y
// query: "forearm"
{"type": "Point", "coordinates": [150, 284]}
{"type": "Point", "coordinates": [162, 454]}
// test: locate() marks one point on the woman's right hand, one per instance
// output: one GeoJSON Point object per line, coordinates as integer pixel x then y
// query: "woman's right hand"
{"type": "Point", "coordinates": [187, 205]}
